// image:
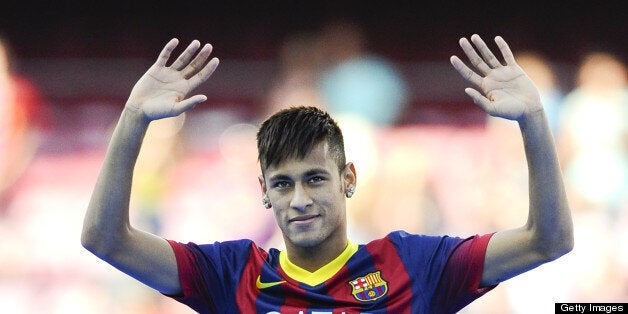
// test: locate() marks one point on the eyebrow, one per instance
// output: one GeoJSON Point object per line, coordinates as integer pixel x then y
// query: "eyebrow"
{"type": "Point", "coordinates": [316, 171]}
{"type": "Point", "coordinates": [308, 173]}
{"type": "Point", "coordinates": [279, 177]}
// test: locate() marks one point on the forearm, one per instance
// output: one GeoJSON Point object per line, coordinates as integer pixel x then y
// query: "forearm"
{"type": "Point", "coordinates": [549, 217]}
{"type": "Point", "coordinates": [107, 217]}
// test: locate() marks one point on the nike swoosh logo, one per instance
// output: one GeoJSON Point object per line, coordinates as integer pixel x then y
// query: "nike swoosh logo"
{"type": "Point", "coordinates": [263, 285]}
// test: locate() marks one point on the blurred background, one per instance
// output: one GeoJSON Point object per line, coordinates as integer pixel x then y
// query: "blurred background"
{"type": "Point", "coordinates": [428, 160]}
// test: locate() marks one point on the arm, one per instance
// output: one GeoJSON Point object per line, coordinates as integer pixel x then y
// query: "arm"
{"type": "Point", "coordinates": [161, 92]}
{"type": "Point", "coordinates": [506, 91]}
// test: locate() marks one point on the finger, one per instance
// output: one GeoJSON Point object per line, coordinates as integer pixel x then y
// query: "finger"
{"type": "Point", "coordinates": [480, 100]}
{"type": "Point", "coordinates": [164, 55]}
{"type": "Point", "coordinates": [185, 57]}
{"type": "Point", "coordinates": [505, 49]}
{"type": "Point", "coordinates": [204, 73]}
{"type": "Point", "coordinates": [474, 58]}
{"type": "Point", "coordinates": [197, 63]}
{"type": "Point", "coordinates": [465, 71]}
{"type": "Point", "coordinates": [487, 54]}
{"type": "Point", "coordinates": [187, 104]}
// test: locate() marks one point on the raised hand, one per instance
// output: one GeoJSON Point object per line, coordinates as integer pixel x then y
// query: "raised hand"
{"type": "Point", "coordinates": [163, 90]}
{"type": "Point", "coordinates": [504, 90]}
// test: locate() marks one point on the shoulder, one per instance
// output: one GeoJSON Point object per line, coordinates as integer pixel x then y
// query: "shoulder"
{"type": "Point", "coordinates": [403, 239]}
{"type": "Point", "coordinates": [413, 248]}
{"type": "Point", "coordinates": [226, 250]}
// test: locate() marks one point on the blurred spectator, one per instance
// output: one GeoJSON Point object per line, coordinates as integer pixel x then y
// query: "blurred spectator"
{"type": "Point", "coordinates": [593, 144]}
{"type": "Point", "coordinates": [540, 71]}
{"type": "Point", "coordinates": [402, 196]}
{"type": "Point", "coordinates": [152, 179]}
{"type": "Point", "coordinates": [19, 101]}
{"type": "Point", "coordinates": [503, 176]}
{"type": "Point", "coordinates": [594, 135]}
{"type": "Point", "coordinates": [300, 60]}
{"type": "Point", "coordinates": [358, 82]}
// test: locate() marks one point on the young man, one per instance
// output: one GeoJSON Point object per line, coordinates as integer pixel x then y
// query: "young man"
{"type": "Point", "coordinates": [305, 180]}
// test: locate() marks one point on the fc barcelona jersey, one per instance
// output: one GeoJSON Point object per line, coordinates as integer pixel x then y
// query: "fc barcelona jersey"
{"type": "Point", "coordinates": [400, 273]}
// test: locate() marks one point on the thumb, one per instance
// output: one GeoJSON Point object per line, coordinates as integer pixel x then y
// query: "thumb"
{"type": "Point", "coordinates": [479, 100]}
{"type": "Point", "coordinates": [187, 104]}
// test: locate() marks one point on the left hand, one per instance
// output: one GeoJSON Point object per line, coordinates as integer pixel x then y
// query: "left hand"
{"type": "Point", "coordinates": [505, 90]}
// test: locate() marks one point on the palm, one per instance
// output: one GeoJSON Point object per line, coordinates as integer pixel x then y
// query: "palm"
{"type": "Point", "coordinates": [504, 90]}
{"type": "Point", "coordinates": [510, 90]}
{"type": "Point", "coordinates": [161, 92]}
{"type": "Point", "coordinates": [158, 91]}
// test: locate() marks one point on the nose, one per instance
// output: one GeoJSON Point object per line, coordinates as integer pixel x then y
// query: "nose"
{"type": "Point", "coordinates": [300, 198]}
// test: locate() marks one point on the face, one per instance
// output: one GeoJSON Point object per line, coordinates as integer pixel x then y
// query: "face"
{"type": "Point", "coordinates": [308, 197]}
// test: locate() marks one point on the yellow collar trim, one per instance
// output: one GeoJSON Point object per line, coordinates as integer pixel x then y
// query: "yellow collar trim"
{"type": "Point", "coordinates": [322, 274]}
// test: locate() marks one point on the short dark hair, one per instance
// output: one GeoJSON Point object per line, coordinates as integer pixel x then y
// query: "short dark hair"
{"type": "Point", "coordinates": [294, 132]}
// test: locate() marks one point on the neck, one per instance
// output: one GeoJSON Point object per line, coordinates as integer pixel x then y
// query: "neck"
{"type": "Point", "coordinates": [314, 257]}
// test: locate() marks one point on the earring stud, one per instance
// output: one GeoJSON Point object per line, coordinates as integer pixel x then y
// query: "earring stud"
{"type": "Point", "coordinates": [350, 191]}
{"type": "Point", "coordinates": [266, 202]}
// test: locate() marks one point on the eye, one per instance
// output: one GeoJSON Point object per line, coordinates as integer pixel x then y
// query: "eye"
{"type": "Point", "coordinates": [282, 184]}
{"type": "Point", "coordinates": [316, 180]}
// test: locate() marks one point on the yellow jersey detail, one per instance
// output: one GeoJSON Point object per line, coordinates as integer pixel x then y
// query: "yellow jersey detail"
{"type": "Point", "coordinates": [322, 274]}
{"type": "Point", "coordinates": [263, 285]}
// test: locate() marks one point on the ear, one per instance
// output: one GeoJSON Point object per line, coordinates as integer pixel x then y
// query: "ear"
{"type": "Point", "coordinates": [262, 184]}
{"type": "Point", "coordinates": [349, 175]}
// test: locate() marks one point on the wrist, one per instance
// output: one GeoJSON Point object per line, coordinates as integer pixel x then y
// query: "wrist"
{"type": "Point", "coordinates": [132, 111]}
{"type": "Point", "coordinates": [534, 109]}
{"type": "Point", "coordinates": [134, 115]}
{"type": "Point", "coordinates": [533, 119]}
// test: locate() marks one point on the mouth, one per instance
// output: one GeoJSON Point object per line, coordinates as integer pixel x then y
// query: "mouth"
{"type": "Point", "coordinates": [303, 219]}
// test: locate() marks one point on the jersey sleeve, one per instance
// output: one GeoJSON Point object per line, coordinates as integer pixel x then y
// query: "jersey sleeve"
{"type": "Point", "coordinates": [209, 273]}
{"type": "Point", "coordinates": [193, 286]}
{"type": "Point", "coordinates": [459, 283]}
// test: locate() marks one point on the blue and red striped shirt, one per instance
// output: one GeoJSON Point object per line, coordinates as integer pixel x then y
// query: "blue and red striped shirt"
{"type": "Point", "coordinates": [400, 273]}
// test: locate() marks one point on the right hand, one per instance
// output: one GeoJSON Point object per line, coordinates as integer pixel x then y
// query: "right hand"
{"type": "Point", "coordinates": [161, 92]}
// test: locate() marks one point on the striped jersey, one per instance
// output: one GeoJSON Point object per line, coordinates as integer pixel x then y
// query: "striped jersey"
{"type": "Point", "coordinates": [400, 273]}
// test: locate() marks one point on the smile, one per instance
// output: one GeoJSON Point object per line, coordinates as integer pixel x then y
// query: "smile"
{"type": "Point", "coordinates": [304, 219]}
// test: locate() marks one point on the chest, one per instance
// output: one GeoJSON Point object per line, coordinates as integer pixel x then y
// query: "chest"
{"type": "Point", "coordinates": [359, 287]}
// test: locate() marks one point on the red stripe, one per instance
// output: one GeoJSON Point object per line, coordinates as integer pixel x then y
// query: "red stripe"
{"type": "Point", "coordinates": [247, 292]}
{"type": "Point", "coordinates": [340, 290]}
{"type": "Point", "coordinates": [384, 253]}
{"type": "Point", "coordinates": [294, 294]}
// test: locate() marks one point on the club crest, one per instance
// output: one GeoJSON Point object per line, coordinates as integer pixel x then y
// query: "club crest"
{"type": "Point", "coordinates": [368, 288]}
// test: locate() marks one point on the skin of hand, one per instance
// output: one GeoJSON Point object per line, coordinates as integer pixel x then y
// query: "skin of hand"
{"type": "Point", "coordinates": [504, 90]}
{"type": "Point", "coordinates": [161, 91]}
